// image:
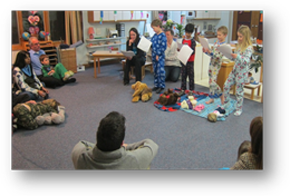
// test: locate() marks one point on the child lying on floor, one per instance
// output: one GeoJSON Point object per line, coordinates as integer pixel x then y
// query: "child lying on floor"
{"type": "Point", "coordinates": [32, 115]}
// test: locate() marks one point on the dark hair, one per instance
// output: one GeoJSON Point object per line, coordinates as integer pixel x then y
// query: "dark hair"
{"type": "Point", "coordinates": [137, 34]}
{"type": "Point", "coordinates": [20, 59]}
{"type": "Point", "coordinates": [170, 30]}
{"type": "Point", "coordinates": [111, 132]}
{"type": "Point", "coordinates": [189, 28]}
{"type": "Point", "coordinates": [256, 132]}
{"type": "Point", "coordinates": [244, 147]}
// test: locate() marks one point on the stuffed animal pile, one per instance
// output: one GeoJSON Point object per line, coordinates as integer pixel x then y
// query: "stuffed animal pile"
{"type": "Point", "coordinates": [141, 92]}
{"type": "Point", "coordinates": [168, 98]}
{"type": "Point", "coordinates": [188, 103]}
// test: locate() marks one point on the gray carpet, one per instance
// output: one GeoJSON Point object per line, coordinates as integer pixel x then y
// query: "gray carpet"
{"type": "Point", "coordinates": [185, 141]}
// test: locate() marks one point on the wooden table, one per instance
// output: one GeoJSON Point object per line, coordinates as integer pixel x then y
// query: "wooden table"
{"type": "Point", "coordinates": [104, 54]}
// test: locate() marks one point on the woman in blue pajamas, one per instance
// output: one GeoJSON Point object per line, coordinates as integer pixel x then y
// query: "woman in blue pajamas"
{"type": "Point", "coordinates": [159, 45]}
{"type": "Point", "coordinates": [239, 73]}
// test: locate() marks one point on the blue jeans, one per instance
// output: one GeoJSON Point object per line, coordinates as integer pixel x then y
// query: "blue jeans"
{"type": "Point", "coordinates": [31, 95]}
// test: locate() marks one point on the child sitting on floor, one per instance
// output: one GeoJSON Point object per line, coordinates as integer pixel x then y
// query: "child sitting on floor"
{"type": "Point", "coordinates": [58, 72]}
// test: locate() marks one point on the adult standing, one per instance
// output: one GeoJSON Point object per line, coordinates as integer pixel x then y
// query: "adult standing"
{"type": "Point", "coordinates": [35, 52]}
{"type": "Point", "coordinates": [138, 60]}
{"type": "Point", "coordinates": [172, 64]}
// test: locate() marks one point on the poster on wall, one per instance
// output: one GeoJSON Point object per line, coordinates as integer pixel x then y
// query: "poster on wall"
{"type": "Point", "coordinates": [162, 15]}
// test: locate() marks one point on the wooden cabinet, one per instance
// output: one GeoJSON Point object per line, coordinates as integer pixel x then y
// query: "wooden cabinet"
{"type": "Point", "coordinates": [121, 16]}
{"type": "Point", "coordinates": [210, 15]}
{"type": "Point", "coordinates": [251, 19]}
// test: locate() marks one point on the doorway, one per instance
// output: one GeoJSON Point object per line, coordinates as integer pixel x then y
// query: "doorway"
{"type": "Point", "coordinates": [253, 19]}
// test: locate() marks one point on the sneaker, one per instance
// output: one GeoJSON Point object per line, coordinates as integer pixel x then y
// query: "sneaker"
{"type": "Point", "coordinates": [66, 76]}
{"type": "Point", "coordinates": [70, 80]}
{"type": "Point", "coordinates": [158, 91]}
{"type": "Point", "coordinates": [125, 83]}
{"type": "Point", "coordinates": [154, 88]}
{"type": "Point", "coordinates": [238, 113]}
{"type": "Point", "coordinates": [71, 73]}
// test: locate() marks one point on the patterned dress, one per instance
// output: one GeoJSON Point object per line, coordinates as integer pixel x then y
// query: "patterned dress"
{"type": "Point", "coordinates": [159, 45]}
{"type": "Point", "coordinates": [238, 76]}
{"type": "Point", "coordinates": [213, 71]}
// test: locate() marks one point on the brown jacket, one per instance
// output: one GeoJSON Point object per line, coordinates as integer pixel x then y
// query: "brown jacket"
{"type": "Point", "coordinates": [247, 161]}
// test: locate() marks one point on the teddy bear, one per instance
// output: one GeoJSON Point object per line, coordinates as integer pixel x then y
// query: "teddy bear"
{"type": "Point", "coordinates": [188, 103]}
{"type": "Point", "coordinates": [141, 92]}
{"type": "Point", "coordinates": [168, 98]}
{"type": "Point", "coordinates": [31, 116]}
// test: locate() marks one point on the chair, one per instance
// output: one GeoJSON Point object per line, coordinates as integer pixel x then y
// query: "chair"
{"type": "Point", "coordinates": [147, 64]}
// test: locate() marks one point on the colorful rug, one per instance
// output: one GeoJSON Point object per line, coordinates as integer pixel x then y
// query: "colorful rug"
{"type": "Point", "coordinates": [209, 108]}
{"type": "Point", "coordinates": [201, 98]}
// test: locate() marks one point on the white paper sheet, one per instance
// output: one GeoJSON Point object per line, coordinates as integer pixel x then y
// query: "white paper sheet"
{"type": "Point", "coordinates": [204, 43]}
{"type": "Point", "coordinates": [179, 45]}
{"type": "Point", "coordinates": [184, 54]}
{"type": "Point", "coordinates": [128, 53]}
{"type": "Point", "coordinates": [144, 44]}
{"type": "Point", "coordinates": [226, 49]}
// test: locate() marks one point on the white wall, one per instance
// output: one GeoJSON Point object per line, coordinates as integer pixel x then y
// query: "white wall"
{"type": "Point", "coordinates": [226, 20]}
{"type": "Point", "coordinates": [82, 54]}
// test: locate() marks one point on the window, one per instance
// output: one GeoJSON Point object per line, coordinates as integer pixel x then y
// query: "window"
{"type": "Point", "coordinates": [57, 27]}
{"type": "Point", "coordinates": [47, 21]}
{"type": "Point", "coordinates": [15, 29]}
{"type": "Point", "coordinates": [32, 22]}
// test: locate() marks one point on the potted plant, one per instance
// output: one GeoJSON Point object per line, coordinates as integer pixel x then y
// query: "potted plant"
{"type": "Point", "coordinates": [168, 24]}
{"type": "Point", "coordinates": [180, 29]}
{"type": "Point", "coordinates": [258, 61]}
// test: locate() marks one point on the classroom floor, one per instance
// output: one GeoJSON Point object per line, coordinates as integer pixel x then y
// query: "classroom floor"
{"type": "Point", "coordinates": [247, 92]}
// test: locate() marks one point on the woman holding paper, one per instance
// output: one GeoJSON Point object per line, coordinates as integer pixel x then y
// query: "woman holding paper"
{"type": "Point", "coordinates": [138, 60]}
{"type": "Point", "coordinates": [239, 74]}
{"type": "Point", "coordinates": [172, 64]}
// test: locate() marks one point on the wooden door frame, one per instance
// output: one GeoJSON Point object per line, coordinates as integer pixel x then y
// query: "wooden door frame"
{"type": "Point", "coordinates": [235, 25]}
